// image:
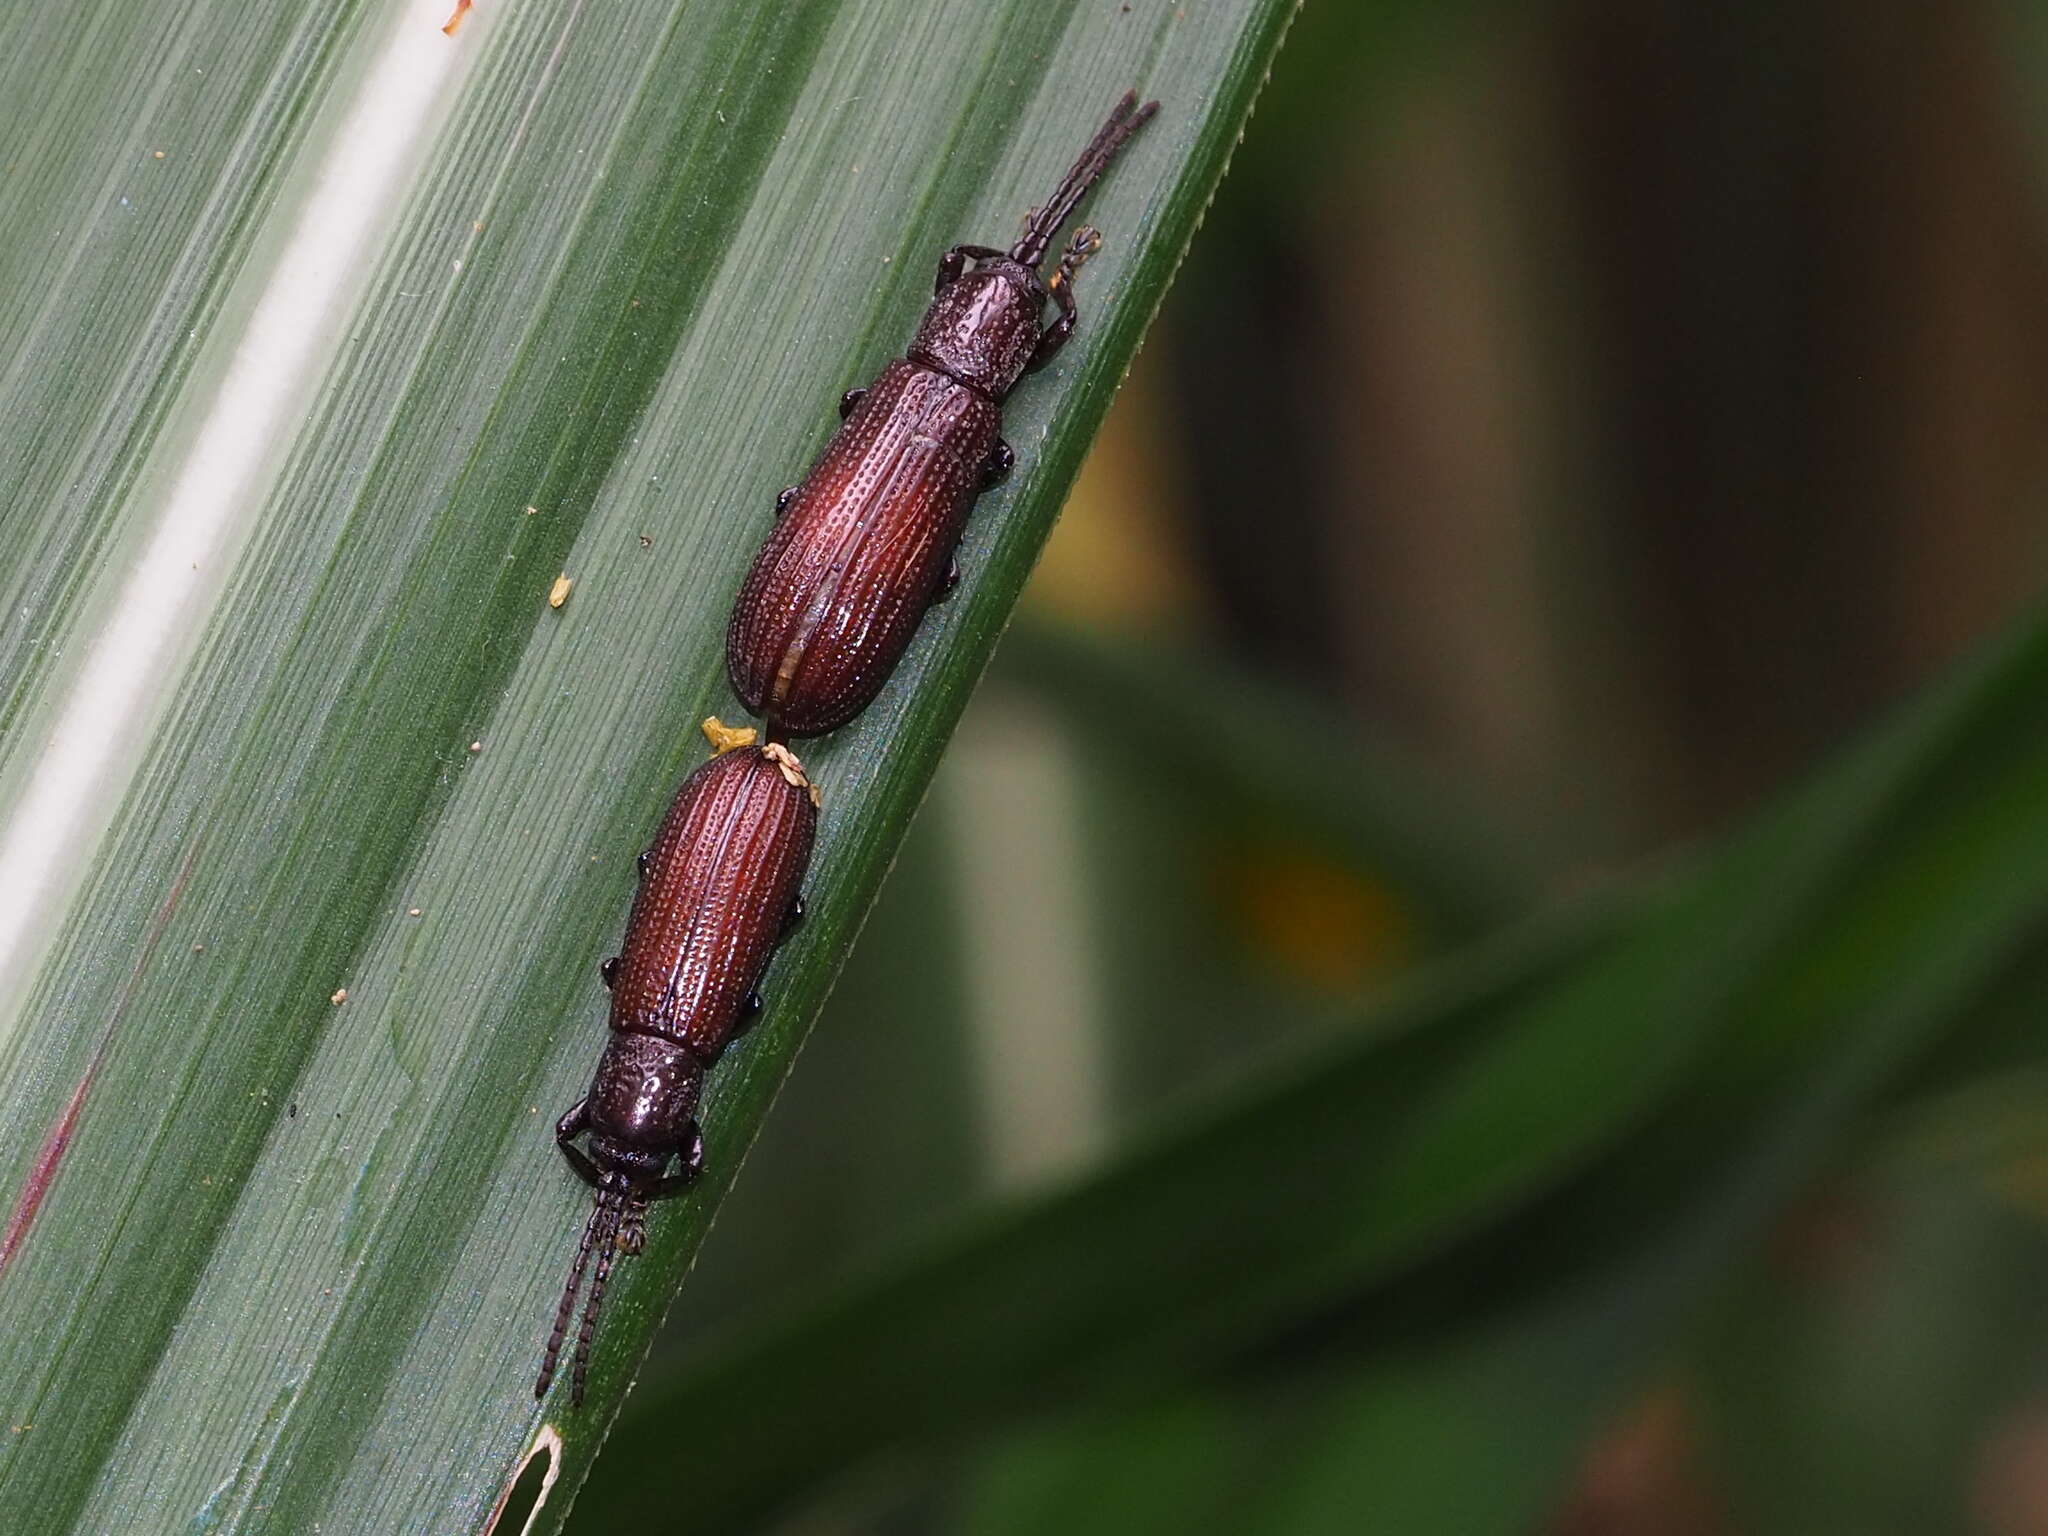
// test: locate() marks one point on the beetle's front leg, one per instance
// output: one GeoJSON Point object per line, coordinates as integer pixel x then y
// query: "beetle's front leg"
{"type": "Point", "coordinates": [954, 262]}
{"type": "Point", "coordinates": [1057, 333]}
{"type": "Point", "coordinates": [567, 1129]}
{"type": "Point", "coordinates": [693, 1166]}
{"type": "Point", "coordinates": [1086, 243]}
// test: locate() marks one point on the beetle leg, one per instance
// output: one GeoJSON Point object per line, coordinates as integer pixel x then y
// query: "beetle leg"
{"type": "Point", "coordinates": [584, 1168]}
{"type": "Point", "coordinates": [849, 400]}
{"type": "Point", "coordinates": [954, 262]}
{"type": "Point", "coordinates": [947, 582]}
{"type": "Point", "coordinates": [793, 918]}
{"type": "Point", "coordinates": [693, 1165]}
{"type": "Point", "coordinates": [784, 497]}
{"type": "Point", "coordinates": [609, 972]}
{"type": "Point", "coordinates": [1057, 333]}
{"type": "Point", "coordinates": [567, 1129]}
{"type": "Point", "coordinates": [1085, 243]}
{"type": "Point", "coordinates": [996, 467]}
{"type": "Point", "coordinates": [750, 1010]}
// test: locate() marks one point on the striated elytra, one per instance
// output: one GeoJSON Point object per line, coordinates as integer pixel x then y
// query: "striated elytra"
{"type": "Point", "coordinates": [863, 546]}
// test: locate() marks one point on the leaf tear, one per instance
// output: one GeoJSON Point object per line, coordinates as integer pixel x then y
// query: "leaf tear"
{"type": "Point", "coordinates": [526, 1490]}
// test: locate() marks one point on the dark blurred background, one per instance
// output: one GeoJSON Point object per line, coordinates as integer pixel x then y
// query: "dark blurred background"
{"type": "Point", "coordinates": [1572, 425]}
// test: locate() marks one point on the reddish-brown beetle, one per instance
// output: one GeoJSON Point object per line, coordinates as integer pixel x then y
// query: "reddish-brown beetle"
{"type": "Point", "coordinates": [865, 544]}
{"type": "Point", "coordinates": [718, 891]}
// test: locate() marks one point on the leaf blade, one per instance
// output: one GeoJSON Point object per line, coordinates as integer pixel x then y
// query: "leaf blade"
{"type": "Point", "coordinates": [283, 1216]}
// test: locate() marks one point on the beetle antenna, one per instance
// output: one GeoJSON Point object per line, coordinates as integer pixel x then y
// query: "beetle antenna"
{"type": "Point", "coordinates": [1049, 218]}
{"type": "Point", "coordinates": [604, 1212]}
{"type": "Point", "coordinates": [607, 1251]}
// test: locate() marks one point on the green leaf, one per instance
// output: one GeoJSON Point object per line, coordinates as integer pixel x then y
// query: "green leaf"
{"type": "Point", "coordinates": [308, 417]}
{"type": "Point", "coordinates": [1552, 1146]}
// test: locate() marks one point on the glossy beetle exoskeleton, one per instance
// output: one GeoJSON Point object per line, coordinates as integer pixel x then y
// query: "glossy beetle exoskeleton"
{"type": "Point", "coordinates": [865, 544]}
{"type": "Point", "coordinates": [718, 891]}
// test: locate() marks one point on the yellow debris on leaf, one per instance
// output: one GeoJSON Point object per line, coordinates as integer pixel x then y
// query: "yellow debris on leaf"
{"type": "Point", "coordinates": [724, 738]}
{"type": "Point", "coordinates": [558, 594]}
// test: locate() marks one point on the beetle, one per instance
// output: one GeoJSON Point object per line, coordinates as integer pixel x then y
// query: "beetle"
{"type": "Point", "coordinates": [865, 544]}
{"type": "Point", "coordinates": [719, 889]}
